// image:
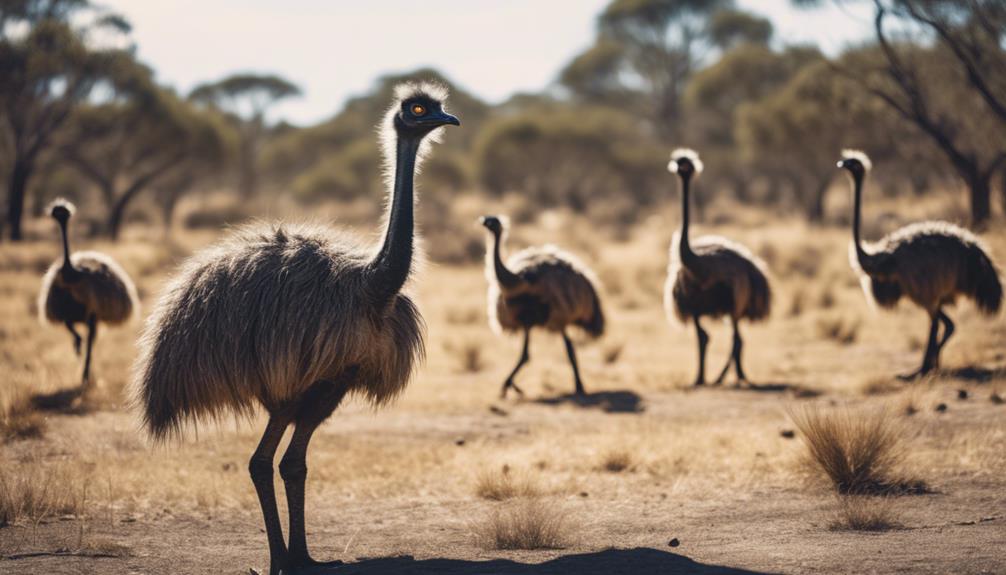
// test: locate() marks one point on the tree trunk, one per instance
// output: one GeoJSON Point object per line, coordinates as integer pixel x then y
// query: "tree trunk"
{"type": "Point", "coordinates": [18, 185]}
{"type": "Point", "coordinates": [815, 203]}
{"type": "Point", "coordinates": [980, 188]}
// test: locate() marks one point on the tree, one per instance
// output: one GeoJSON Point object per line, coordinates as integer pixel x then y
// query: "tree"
{"type": "Point", "coordinates": [48, 69]}
{"type": "Point", "coordinates": [134, 139]}
{"type": "Point", "coordinates": [247, 97]}
{"type": "Point", "coordinates": [731, 28]}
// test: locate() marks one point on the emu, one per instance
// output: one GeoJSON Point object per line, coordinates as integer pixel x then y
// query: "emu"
{"type": "Point", "coordinates": [293, 318]}
{"type": "Point", "coordinates": [930, 263]}
{"type": "Point", "coordinates": [84, 288]}
{"type": "Point", "coordinates": [712, 276]}
{"type": "Point", "coordinates": [540, 287]}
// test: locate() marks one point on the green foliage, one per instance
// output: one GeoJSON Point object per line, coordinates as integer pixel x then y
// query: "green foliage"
{"type": "Point", "coordinates": [730, 28]}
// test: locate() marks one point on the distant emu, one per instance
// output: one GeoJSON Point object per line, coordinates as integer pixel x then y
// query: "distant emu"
{"type": "Point", "coordinates": [712, 276]}
{"type": "Point", "coordinates": [84, 288]}
{"type": "Point", "coordinates": [293, 318]}
{"type": "Point", "coordinates": [540, 287]}
{"type": "Point", "coordinates": [932, 263]}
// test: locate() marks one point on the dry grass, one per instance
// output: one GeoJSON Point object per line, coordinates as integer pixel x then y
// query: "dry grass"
{"type": "Point", "coordinates": [839, 329]}
{"type": "Point", "coordinates": [20, 421]}
{"type": "Point", "coordinates": [525, 523]}
{"type": "Point", "coordinates": [611, 353]}
{"type": "Point", "coordinates": [860, 453]}
{"type": "Point", "coordinates": [616, 461]}
{"type": "Point", "coordinates": [470, 357]}
{"type": "Point", "coordinates": [503, 484]}
{"type": "Point", "coordinates": [859, 513]}
{"type": "Point", "coordinates": [33, 493]}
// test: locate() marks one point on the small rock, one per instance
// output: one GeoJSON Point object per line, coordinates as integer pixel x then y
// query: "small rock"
{"type": "Point", "coordinates": [674, 542]}
{"type": "Point", "coordinates": [996, 398]}
{"type": "Point", "coordinates": [787, 433]}
{"type": "Point", "coordinates": [962, 394]}
{"type": "Point", "coordinates": [941, 408]}
{"type": "Point", "coordinates": [459, 441]}
{"type": "Point", "coordinates": [911, 410]}
{"type": "Point", "coordinates": [497, 411]}
{"type": "Point", "coordinates": [584, 494]}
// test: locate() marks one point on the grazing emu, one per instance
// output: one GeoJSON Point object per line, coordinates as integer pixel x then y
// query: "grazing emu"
{"type": "Point", "coordinates": [712, 276]}
{"type": "Point", "coordinates": [85, 287]}
{"type": "Point", "coordinates": [932, 263]}
{"type": "Point", "coordinates": [292, 318]}
{"type": "Point", "coordinates": [540, 286]}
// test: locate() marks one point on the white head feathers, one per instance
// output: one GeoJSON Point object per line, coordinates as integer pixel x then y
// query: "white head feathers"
{"type": "Point", "coordinates": [859, 156]}
{"type": "Point", "coordinates": [62, 204]}
{"type": "Point", "coordinates": [386, 129]}
{"type": "Point", "coordinates": [686, 154]}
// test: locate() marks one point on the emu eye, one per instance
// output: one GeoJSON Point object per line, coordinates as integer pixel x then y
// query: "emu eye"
{"type": "Point", "coordinates": [418, 109]}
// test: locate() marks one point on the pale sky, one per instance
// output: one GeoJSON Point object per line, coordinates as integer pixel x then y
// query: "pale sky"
{"type": "Point", "coordinates": [335, 49]}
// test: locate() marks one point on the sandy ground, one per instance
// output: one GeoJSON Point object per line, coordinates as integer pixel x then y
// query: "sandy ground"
{"type": "Point", "coordinates": [395, 490]}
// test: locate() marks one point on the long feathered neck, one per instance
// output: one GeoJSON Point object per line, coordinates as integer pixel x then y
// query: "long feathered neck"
{"type": "Point", "coordinates": [68, 270]}
{"type": "Point", "coordinates": [504, 276]}
{"type": "Point", "coordinates": [865, 259]}
{"type": "Point", "coordinates": [688, 258]}
{"type": "Point", "coordinates": [391, 266]}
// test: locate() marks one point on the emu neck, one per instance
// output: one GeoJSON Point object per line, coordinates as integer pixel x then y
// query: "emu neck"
{"type": "Point", "coordinates": [688, 258]}
{"type": "Point", "coordinates": [504, 276]}
{"type": "Point", "coordinates": [392, 265]}
{"type": "Point", "coordinates": [864, 259]}
{"type": "Point", "coordinates": [67, 269]}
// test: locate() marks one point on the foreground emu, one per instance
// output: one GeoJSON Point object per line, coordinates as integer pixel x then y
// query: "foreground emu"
{"type": "Point", "coordinates": [293, 318]}
{"type": "Point", "coordinates": [712, 277]}
{"type": "Point", "coordinates": [84, 288]}
{"type": "Point", "coordinates": [540, 287]}
{"type": "Point", "coordinates": [932, 263]}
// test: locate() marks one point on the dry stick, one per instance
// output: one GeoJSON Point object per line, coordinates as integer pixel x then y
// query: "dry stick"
{"type": "Point", "coordinates": [32, 554]}
{"type": "Point", "coordinates": [350, 542]}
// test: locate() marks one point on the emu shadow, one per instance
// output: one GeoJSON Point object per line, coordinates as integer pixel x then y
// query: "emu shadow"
{"type": "Point", "coordinates": [618, 401]}
{"type": "Point", "coordinates": [609, 561]}
{"type": "Point", "coordinates": [975, 373]}
{"type": "Point", "coordinates": [798, 391]}
{"type": "Point", "coordinates": [72, 401]}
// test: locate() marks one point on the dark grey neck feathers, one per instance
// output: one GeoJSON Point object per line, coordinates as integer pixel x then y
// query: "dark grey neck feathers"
{"type": "Point", "coordinates": [391, 267]}
{"type": "Point", "coordinates": [688, 258]}
{"type": "Point", "coordinates": [67, 270]}
{"type": "Point", "coordinates": [866, 261]}
{"type": "Point", "coordinates": [505, 277]}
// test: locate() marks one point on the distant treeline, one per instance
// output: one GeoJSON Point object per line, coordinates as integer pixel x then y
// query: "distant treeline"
{"type": "Point", "coordinates": [926, 99]}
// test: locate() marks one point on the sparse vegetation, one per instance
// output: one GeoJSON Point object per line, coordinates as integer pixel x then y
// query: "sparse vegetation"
{"type": "Point", "coordinates": [839, 329]}
{"type": "Point", "coordinates": [471, 357]}
{"type": "Point", "coordinates": [33, 492]}
{"type": "Point", "coordinates": [859, 453]}
{"type": "Point", "coordinates": [20, 421]}
{"type": "Point", "coordinates": [616, 461]}
{"type": "Point", "coordinates": [860, 513]}
{"type": "Point", "coordinates": [504, 483]}
{"type": "Point", "coordinates": [524, 523]}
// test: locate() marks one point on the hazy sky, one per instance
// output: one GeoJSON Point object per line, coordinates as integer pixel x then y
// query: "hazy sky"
{"type": "Point", "coordinates": [336, 48]}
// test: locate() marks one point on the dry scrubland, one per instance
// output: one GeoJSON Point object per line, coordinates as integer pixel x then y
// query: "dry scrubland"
{"type": "Point", "coordinates": [645, 476]}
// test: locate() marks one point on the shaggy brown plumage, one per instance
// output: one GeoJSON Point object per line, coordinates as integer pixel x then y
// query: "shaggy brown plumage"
{"type": "Point", "coordinates": [293, 318]}
{"type": "Point", "coordinates": [930, 263]}
{"type": "Point", "coordinates": [712, 277]}
{"type": "Point", "coordinates": [540, 287]}
{"type": "Point", "coordinates": [84, 288]}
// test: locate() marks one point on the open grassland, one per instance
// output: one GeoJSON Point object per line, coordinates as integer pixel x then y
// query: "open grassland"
{"type": "Point", "coordinates": [645, 475]}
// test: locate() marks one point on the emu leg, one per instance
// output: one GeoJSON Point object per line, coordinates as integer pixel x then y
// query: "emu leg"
{"type": "Point", "coordinates": [735, 357]}
{"type": "Point", "coordinates": [76, 337]}
{"type": "Point", "coordinates": [260, 469]}
{"type": "Point", "coordinates": [932, 350]}
{"type": "Point", "coordinates": [316, 406]}
{"type": "Point", "coordinates": [700, 379]}
{"type": "Point", "coordinates": [948, 330]}
{"type": "Point", "coordinates": [92, 332]}
{"type": "Point", "coordinates": [572, 360]}
{"type": "Point", "coordinates": [520, 363]}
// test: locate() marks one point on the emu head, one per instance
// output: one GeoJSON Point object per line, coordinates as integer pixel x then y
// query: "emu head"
{"type": "Point", "coordinates": [492, 223]}
{"type": "Point", "coordinates": [856, 163]}
{"type": "Point", "coordinates": [61, 210]}
{"type": "Point", "coordinates": [685, 163]}
{"type": "Point", "coordinates": [421, 109]}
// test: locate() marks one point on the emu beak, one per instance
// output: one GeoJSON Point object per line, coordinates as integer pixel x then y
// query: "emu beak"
{"type": "Point", "coordinates": [443, 118]}
{"type": "Point", "coordinates": [841, 164]}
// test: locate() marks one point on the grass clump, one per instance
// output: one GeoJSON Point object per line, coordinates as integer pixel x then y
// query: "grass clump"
{"type": "Point", "coordinates": [503, 484]}
{"type": "Point", "coordinates": [859, 453]}
{"type": "Point", "coordinates": [857, 513]}
{"type": "Point", "coordinates": [20, 421]}
{"type": "Point", "coordinates": [34, 493]}
{"type": "Point", "coordinates": [524, 523]}
{"type": "Point", "coordinates": [615, 461]}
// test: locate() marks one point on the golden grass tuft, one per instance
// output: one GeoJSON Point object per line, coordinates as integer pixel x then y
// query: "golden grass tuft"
{"type": "Point", "coordinates": [471, 358]}
{"type": "Point", "coordinates": [839, 330]}
{"type": "Point", "coordinates": [859, 453]}
{"type": "Point", "coordinates": [859, 513]}
{"type": "Point", "coordinates": [31, 492]}
{"type": "Point", "coordinates": [503, 484]}
{"type": "Point", "coordinates": [524, 523]}
{"type": "Point", "coordinates": [19, 420]}
{"type": "Point", "coordinates": [615, 461]}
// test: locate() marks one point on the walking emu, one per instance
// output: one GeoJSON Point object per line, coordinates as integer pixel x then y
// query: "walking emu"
{"type": "Point", "coordinates": [292, 318]}
{"type": "Point", "coordinates": [712, 276]}
{"type": "Point", "coordinates": [84, 288]}
{"type": "Point", "coordinates": [932, 263]}
{"type": "Point", "coordinates": [540, 287]}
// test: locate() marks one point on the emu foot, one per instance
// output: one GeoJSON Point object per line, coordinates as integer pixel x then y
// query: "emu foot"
{"type": "Point", "coordinates": [508, 386]}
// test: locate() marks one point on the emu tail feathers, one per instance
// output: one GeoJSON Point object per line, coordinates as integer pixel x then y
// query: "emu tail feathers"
{"type": "Point", "coordinates": [760, 303]}
{"type": "Point", "coordinates": [594, 326]}
{"type": "Point", "coordinates": [885, 293]}
{"type": "Point", "coordinates": [983, 281]}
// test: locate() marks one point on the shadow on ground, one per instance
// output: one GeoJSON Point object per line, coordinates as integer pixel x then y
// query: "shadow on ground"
{"type": "Point", "coordinates": [639, 560]}
{"type": "Point", "coordinates": [795, 389]}
{"type": "Point", "coordinates": [72, 401]}
{"type": "Point", "coordinates": [976, 374]}
{"type": "Point", "coordinates": [619, 401]}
